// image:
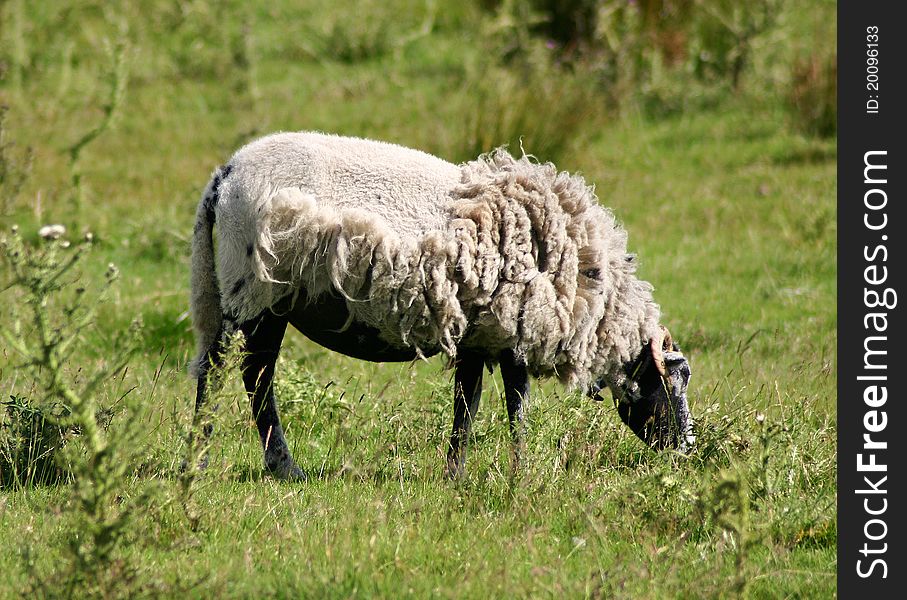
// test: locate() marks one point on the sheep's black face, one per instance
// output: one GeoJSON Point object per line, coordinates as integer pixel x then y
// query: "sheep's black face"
{"type": "Point", "coordinates": [654, 404]}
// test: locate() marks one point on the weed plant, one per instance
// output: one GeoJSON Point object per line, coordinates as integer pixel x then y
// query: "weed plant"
{"type": "Point", "coordinates": [64, 422]}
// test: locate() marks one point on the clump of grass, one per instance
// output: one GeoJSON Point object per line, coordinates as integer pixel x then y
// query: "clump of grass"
{"type": "Point", "coordinates": [31, 437]}
{"type": "Point", "coordinates": [18, 51]}
{"type": "Point", "coordinates": [517, 93]}
{"type": "Point", "coordinates": [662, 56]}
{"type": "Point", "coordinates": [15, 166]}
{"type": "Point", "coordinates": [540, 110]}
{"type": "Point", "coordinates": [208, 40]}
{"type": "Point", "coordinates": [198, 445]}
{"type": "Point", "coordinates": [371, 30]}
{"type": "Point", "coordinates": [813, 96]}
{"type": "Point", "coordinates": [48, 322]}
{"type": "Point", "coordinates": [357, 38]}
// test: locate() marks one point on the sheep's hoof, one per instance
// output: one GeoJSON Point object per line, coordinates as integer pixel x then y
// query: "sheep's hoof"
{"type": "Point", "coordinates": [287, 471]}
{"type": "Point", "coordinates": [295, 474]}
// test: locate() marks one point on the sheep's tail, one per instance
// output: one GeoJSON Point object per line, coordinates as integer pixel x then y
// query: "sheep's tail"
{"type": "Point", "coordinates": [207, 316]}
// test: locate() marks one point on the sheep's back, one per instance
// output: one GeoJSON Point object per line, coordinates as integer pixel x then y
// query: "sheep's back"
{"type": "Point", "coordinates": [407, 188]}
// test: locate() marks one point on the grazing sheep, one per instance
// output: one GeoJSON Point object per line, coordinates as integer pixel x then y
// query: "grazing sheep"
{"type": "Point", "coordinates": [388, 254]}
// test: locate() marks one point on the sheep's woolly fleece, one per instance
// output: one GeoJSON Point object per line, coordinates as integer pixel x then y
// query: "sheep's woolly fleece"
{"type": "Point", "coordinates": [496, 253]}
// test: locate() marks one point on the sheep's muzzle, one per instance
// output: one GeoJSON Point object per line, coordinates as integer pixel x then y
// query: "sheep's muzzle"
{"type": "Point", "coordinates": [652, 399]}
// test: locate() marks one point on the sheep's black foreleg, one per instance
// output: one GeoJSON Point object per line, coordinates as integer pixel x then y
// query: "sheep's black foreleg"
{"type": "Point", "coordinates": [516, 394]}
{"type": "Point", "coordinates": [264, 335]}
{"type": "Point", "coordinates": [467, 392]}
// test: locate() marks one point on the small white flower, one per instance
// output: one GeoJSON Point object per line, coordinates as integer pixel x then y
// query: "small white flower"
{"type": "Point", "coordinates": [112, 272]}
{"type": "Point", "coordinates": [52, 232]}
{"type": "Point", "coordinates": [760, 418]}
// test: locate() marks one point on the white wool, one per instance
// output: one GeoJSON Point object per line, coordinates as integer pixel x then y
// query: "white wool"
{"type": "Point", "coordinates": [496, 253]}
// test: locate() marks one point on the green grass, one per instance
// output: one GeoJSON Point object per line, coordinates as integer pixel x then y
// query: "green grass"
{"type": "Point", "coordinates": [731, 211]}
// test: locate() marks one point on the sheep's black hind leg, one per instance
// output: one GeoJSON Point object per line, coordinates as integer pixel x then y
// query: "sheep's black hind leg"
{"type": "Point", "coordinates": [264, 335]}
{"type": "Point", "coordinates": [467, 392]}
{"type": "Point", "coordinates": [516, 393]}
{"type": "Point", "coordinates": [212, 359]}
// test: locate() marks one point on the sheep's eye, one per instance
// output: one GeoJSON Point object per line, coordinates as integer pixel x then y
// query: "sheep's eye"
{"type": "Point", "coordinates": [592, 274]}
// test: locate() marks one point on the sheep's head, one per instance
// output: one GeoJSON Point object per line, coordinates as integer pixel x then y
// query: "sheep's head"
{"type": "Point", "coordinates": [652, 397]}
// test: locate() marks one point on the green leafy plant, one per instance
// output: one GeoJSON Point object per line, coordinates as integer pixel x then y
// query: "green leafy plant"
{"type": "Point", "coordinates": [729, 507]}
{"type": "Point", "coordinates": [118, 78]}
{"type": "Point", "coordinates": [31, 436]}
{"type": "Point", "coordinates": [51, 313]}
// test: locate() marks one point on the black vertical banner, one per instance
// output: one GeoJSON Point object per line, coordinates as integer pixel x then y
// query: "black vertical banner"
{"type": "Point", "coordinates": [872, 347]}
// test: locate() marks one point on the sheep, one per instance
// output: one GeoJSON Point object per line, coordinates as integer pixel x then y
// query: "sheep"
{"type": "Point", "coordinates": [386, 253]}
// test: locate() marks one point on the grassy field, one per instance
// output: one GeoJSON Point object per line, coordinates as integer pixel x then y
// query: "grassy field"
{"type": "Point", "coordinates": [729, 206]}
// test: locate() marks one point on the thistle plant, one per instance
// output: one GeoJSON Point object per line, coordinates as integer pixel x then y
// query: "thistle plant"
{"type": "Point", "coordinates": [118, 78]}
{"type": "Point", "coordinates": [51, 311]}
